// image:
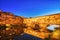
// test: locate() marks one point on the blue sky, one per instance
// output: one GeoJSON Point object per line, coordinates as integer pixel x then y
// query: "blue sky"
{"type": "Point", "coordinates": [30, 8]}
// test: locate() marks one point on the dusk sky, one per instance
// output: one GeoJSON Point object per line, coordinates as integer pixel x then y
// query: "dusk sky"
{"type": "Point", "coordinates": [30, 8]}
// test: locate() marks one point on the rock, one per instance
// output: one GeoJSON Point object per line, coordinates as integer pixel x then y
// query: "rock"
{"type": "Point", "coordinates": [16, 24]}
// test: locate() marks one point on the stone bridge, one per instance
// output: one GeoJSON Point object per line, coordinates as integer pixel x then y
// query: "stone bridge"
{"type": "Point", "coordinates": [36, 26]}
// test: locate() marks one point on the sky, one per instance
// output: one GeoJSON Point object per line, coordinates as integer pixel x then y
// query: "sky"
{"type": "Point", "coordinates": [30, 8]}
{"type": "Point", "coordinates": [52, 27]}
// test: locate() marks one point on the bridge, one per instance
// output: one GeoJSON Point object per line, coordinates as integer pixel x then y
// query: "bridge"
{"type": "Point", "coordinates": [36, 26]}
